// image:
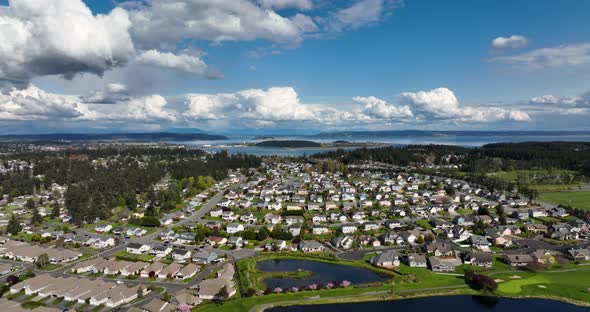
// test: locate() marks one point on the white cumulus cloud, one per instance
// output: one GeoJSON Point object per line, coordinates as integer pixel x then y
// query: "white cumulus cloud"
{"type": "Point", "coordinates": [112, 93]}
{"type": "Point", "coordinates": [273, 104]}
{"type": "Point", "coordinates": [442, 104]}
{"type": "Point", "coordinates": [287, 4]}
{"type": "Point", "coordinates": [181, 62]}
{"type": "Point", "coordinates": [33, 103]}
{"type": "Point", "coordinates": [512, 42]}
{"type": "Point", "coordinates": [60, 37]}
{"type": "Point", "coordinates": [360, 13]}
{"type": "Point", "coordinates": [149, 108]}
{"type": "Point", "coordinates": [166, 22]}
{"type": "Point", "coordinates": [377, 108]}
{"type": "Point", "coordinates": [559, 56]}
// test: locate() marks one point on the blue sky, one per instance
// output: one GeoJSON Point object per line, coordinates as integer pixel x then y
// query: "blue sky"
{"type": "Point", "coordinates": [356, 64]}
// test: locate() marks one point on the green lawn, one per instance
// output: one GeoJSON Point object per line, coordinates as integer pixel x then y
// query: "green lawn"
{"type": "Point", "coordinates": [575, 199]}
{"type": "Point", "coordinates": [50, 267]}
{"type": "Point", "coordinates": [424, 224]}
{"type": "Point", "coordinates": [246, 304]}
{"type": "Point", "coordinates": [127, 256]}
{"type": "Point", "coordinates": [571, 285]}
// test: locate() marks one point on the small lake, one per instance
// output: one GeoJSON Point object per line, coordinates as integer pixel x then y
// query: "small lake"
{"type": "Point", "coordinates": [322, 273]}
{"type": "Point", "coordinates": [445, 303]}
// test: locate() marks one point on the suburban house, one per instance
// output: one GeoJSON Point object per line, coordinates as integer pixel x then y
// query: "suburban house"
{"type": "Point", "coordinates": [387, 259]}
{"type": "Point", "coordinates": [161, 252]}
{"type": "Point", "coordinates": [216, 240]}
{"type": "Point", "coordinates": [152, 270]}
{"type": "Point", "coordinates": [311, 246]}
{"type": "Point", "coordinates": [348, 228]}
{"type": "Point", "coordinates": [181, 255]}
{"type": "Point", "coordinates": [137, 249]}
{"type": "Point", "coordinates": [319, 229]}
{"type": "Point", "coordinates": [103, 228]}
{"type": "Point", "coordinates": [170, 271]}
{"type": "Point", "coordinates": [480, 259]}
{"type": "Point", "coordinates": [579, 254]}
{"type": "Point", "coordinates": [233, 228]}
{"type": "Point", "coordinates": [415, 260]}
{"type": "Point", "coordinates": [204, 257]}
{"type": "Point", "coordinates": [188, 271]}
{"type": "Point", "coordinates": [438, 264]}
{"type": "Point", "coordinates": [440, 249]}
{"type": "Point", "coordinates": [518, 259]}
{"type": "Point", "coordinates": [343, 242]}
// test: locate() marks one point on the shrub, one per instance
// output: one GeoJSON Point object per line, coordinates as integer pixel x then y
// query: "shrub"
{"type": "Point", "coordinates": [480, 281]}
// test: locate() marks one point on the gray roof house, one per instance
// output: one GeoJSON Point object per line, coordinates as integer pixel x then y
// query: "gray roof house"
{"type": "Point", "coordinates": [387, 259]}
{"type": "Point", "coordinates": [415, 260]}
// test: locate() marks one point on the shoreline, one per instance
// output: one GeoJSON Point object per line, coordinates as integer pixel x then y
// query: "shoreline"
{"type": "Point", "coordinates": [388, 296]}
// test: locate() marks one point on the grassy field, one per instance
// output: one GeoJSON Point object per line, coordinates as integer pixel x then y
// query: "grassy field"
{"type": "Point", "coordinates": [575, 199]}
{"type": "Point", "coordinates": [127, 256]}
{"type": "Point", "coordinates": [541, 180]}
{"type": "Point", "coordinates": [571, 285]}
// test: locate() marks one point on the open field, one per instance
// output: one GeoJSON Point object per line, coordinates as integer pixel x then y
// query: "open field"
{"type": "Point", "coordinates": [572, 285]}
{"type": "Point", "coordinates": [542, 180]}
{"type": "Point", "coordinates": [579, 199]}
{"type": "Point", "coordinates": [127, 256]}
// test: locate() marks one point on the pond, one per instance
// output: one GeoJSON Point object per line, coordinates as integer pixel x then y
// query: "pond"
{"type": "Point", "coordinates": [450, 303]}
{"type": "Point", "coordinates": [321, 273]}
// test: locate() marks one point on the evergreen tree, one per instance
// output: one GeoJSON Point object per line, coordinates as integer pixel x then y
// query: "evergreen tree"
{"type": "Point", "coordinates": [14, 226]}
{"type": "Point", "coordinates": [263, 234]}
{"type": "Point", "coordinates": [55, 211]}
{"type": "Point", "coordinates": [30, 204]}
{"type": "Point", "coordinates": [36, 218]}
{"type": "Point", "coordinates": [222, 295]}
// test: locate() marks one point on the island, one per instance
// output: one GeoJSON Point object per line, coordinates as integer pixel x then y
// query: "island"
{"type": "Point", "coordinates": [301, 144]}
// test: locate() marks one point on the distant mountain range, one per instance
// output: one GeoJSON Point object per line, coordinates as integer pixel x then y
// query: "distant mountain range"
{"type": "Point", "coordinates": [429, 133]}
{"type": "Point", "coordinates": [137, 137]}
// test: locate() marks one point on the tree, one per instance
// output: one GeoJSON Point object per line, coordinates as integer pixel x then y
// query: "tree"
{"type": "Point", "coordinates": [30, 204]}
{"type": "Point", "coordinates": [249, 234]}
{"type": "Point", "coordinates": [480, 282]}
{"type": "Point", "coordinates": [251, 292]}
{"type": "Point", "coordinates": [501, 215]}
{"type": "Point", "coordinates": [483, 211]}
{"type": "Point", "coordinates": [14, 226]}
{"type": "Point", "coordinates": [36, 218]}
{"type": "Point", "coordinates": [55, 211]}
{"type": "Point", "coordinates": [150, 221]}
{"type": "Point", "coordinates": [262, 234]}
{"type": "Point", "coordinates": [420, 240]}
{"type": "Point", "coordinates": [222, 295]}
{"type": "Point", "coordinates": [450, 190]}
{"type": "Point", "coordinates": [12, 279]}
{"type": "Point", "coordinates": [42, 260]}
{"type": "Point", "coordinates": [479, 227]}
{"type": "Point", "coordinates": [150, 211]}
{"type": "Point", "coordinates": [199, 237]}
